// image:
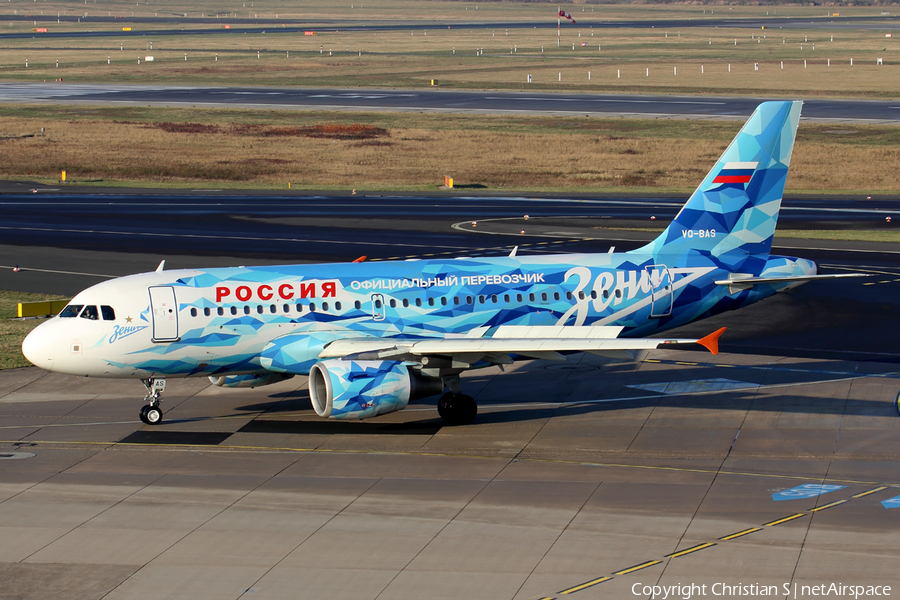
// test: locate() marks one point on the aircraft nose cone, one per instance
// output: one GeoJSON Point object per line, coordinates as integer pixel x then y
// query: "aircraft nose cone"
{"type": "Point", "coordinates": [37, 347]}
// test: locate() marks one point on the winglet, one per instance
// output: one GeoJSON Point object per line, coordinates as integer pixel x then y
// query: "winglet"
{"type": "Point", "coordinates": [361, 258]}
{"type": "Point", "coordinates": [162, 265]}
{"type": "Point", "coordinates": [711, 341]}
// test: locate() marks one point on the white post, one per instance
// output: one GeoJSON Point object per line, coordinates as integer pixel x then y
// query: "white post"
{"type": "Point", "coordinates": [560, 76]}
{"type": "Point", "coordinates": [829, 62]}
{"type": "Point", "coordinates": [851, 62]}
{"type": "Point", "coordinates": [589, 75]}
{"type": "Point", "coordinates": [782, 64]}
{"type": "Point", "coordinates": [675, 73]}
{"type": "Point", "coordinates": [804, 63]}
{"type": "Point", "coordinates": [107, 60]}
{"type": "Point", "coordinates": [701, 69]}
{"type": "Point", "coordinates": [618, 73]}
{"type": "Point", "coordinates": [648, 71]}
{"type": "Point", "coordinates": [729, 67]}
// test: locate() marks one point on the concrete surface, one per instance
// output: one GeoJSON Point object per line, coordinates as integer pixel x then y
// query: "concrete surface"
{"type": "Point", "coordinates": [567, 476]}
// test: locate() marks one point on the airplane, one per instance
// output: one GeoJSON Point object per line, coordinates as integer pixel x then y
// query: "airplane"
{"type": "Point", "coordinates": [374, 336]}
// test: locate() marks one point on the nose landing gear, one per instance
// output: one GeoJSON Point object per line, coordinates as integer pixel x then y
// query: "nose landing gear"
{"type": "Point", "coordinates": [152, 414]}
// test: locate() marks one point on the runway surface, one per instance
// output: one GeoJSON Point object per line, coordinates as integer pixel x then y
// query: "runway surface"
{"type": "Point", "coordinates": [65, 240]}
{"type": "Point", "coordinates": [214, 25]}
{"type": "Point", "coordinates": [773, 463]}
{"type": "Point", "coordinates": [887, 111]}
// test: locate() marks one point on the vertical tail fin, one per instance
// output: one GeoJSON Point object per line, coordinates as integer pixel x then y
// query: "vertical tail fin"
{"type": "Point", "coordinates": [736, 207]}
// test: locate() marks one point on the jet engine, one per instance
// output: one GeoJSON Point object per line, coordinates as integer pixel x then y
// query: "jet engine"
{"type": "Point", "coordinates": [247, 381]}
{"type": "Point", "coordinates": [359, 389]}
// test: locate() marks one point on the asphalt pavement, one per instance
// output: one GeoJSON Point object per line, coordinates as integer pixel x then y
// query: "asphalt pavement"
{"type": "Point", "coordinates": [450, 101]}
{"type": "Point", "coordinates": [66, 239]}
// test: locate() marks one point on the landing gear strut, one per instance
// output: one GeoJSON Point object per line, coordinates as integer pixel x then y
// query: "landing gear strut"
{"type": "Point", "coordinates": [457, 409]}
{"type": "Point", "coordinates": [152, 414]}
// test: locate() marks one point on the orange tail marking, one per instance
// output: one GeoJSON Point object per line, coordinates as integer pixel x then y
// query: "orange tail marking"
{"type": "Point", "coordinates": [361, 258]}
{"type": "Point", "coordinates": [711, 341]}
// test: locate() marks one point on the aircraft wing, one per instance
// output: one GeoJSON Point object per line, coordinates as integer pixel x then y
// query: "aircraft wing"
{"type": "Point", "coordinates": [495, 344]}
{"type": "Point", "coordinates": [737, 283]}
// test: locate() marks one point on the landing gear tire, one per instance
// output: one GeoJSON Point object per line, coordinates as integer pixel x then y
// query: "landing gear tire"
{"type": "Point", "coordinates": [151, 415]}
{"type": "Point", "coordinates": [457, 409]}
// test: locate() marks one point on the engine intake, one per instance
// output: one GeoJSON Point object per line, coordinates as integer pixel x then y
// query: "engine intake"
{"type": "Point", "coordinates": [360, 389]}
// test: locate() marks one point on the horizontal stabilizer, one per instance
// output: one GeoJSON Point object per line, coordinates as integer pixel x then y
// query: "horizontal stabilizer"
{"type": "Point", "coordinates": [737, 284]}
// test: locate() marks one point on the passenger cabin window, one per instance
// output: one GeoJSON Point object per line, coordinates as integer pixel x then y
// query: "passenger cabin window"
{"type": "Point", "coordinates": [90, 312]}
{"type": "Point", "coordinates": [543, 296]}
{"type": "Point", "coordinates": [405, 302]}
{"type": "Point", "coordinates": [431, 302]}
{"type": "Point", "coordinates": [206, 312]}
{"type": "Point", "coordinates": [357, 304]}
{"type": "Point", "coordinates": [108, 313]}
{"type": "Point", "coordinates": [71, 310]}
{"type": "Point", "coordinates": [193, 312]}
{"type": "Point", "coordinates": [246, 310]}
{"type": "Point", "coordinates": [443, 301]}
{"type": "Point", "coordinates": [337, 305]}
{"type": "Point", "coordinates": [393, 304]}
{"type": "Point", "coordinates": [325, 306]}
{"type": "Point", "coordinates": [234, 310]}
{"type": "Point", "coordinates": [220, 311]}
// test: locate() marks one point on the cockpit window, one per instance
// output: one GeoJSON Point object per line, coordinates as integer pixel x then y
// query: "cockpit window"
{"type": "Point", "coordinates": [108, 313]}
{"type": "Point", "coordinates": [71, 310]}
{"type": "Point", "coordinates": [90, 312]}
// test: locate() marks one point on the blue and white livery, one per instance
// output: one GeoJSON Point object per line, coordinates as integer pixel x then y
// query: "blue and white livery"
{"type": "Point", "coordinates": [374, 336]}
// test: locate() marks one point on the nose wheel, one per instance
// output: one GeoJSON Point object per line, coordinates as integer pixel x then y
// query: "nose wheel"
{"type": "Point", "coordinates": [152, 414]}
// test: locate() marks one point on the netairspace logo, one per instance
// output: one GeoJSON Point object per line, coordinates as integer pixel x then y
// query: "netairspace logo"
{"type": "Point", "coordinates": [688, 591]}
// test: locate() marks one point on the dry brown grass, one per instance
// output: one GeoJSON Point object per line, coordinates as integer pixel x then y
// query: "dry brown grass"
{"type": "Point", "coordinates": [413, 151]}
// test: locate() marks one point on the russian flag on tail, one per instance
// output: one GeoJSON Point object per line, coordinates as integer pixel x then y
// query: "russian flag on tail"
{"type": "Point", "coordinates": [736, 172]}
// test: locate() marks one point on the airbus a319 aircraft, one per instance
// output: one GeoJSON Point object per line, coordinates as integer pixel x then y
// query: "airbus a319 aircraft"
{"type": "Point", "coordinates": [374, 336]}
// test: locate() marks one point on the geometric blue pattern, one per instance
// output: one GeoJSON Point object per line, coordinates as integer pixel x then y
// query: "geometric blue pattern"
{"type": "Point", "coordinates": [278, 319]}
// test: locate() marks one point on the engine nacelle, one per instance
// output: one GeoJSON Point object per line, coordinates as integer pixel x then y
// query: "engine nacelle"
{"type": "Point", "coordinates": [247, 381]}
{"type": "Point", "coordinates": [359, 389]}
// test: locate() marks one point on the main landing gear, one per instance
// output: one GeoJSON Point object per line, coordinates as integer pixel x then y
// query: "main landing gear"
{"type": "Point", "coordinates": [457, 409]}
{"type": "Point", "coordinates": [152, 414]}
